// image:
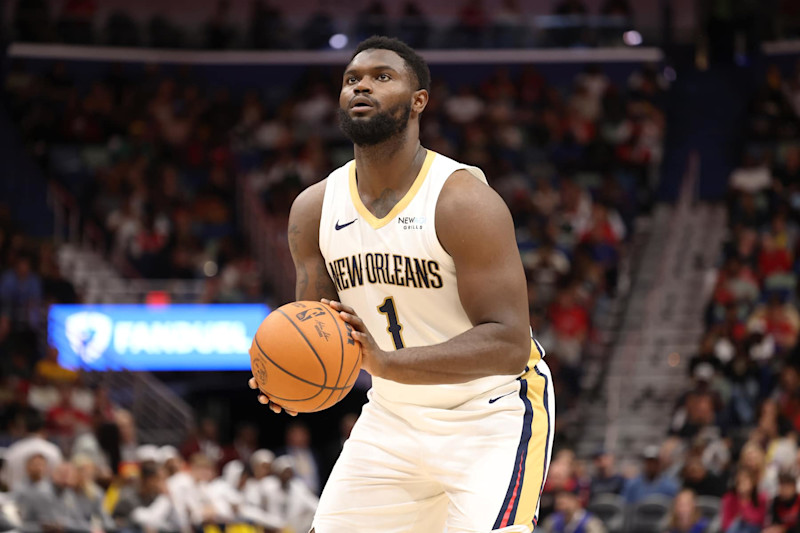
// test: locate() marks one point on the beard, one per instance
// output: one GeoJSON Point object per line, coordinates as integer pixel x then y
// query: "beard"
{"type": "Point", "coordinates": [382, 126]}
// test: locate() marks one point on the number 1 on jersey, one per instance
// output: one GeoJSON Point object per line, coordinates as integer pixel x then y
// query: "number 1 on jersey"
{"type": "Point", "coordinates": [388, 309]}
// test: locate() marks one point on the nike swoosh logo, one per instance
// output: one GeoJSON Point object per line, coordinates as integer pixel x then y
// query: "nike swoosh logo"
{"type": "Point", "coordinates": [338, 226]}
{"type": "Point", "coordinates": [492, 400]}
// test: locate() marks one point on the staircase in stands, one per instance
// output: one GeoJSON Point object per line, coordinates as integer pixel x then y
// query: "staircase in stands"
{"type": "Point", "coordinates": [661, 327]}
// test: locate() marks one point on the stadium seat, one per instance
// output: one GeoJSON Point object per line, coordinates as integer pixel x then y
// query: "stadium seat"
{"type": "Point", "coordinates": [610, 509]}
{"type": "Point", "coordinates": [650, 515]}
{"type": "Point", "coordinates": [708, 506]}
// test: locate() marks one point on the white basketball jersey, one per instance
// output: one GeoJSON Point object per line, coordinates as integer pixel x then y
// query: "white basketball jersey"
{"type": "Point", "coordinates": [395, 274]}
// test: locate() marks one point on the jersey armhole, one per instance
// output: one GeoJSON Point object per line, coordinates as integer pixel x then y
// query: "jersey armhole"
{"type": "Point", "coordinates": [432, 241]}
{"type": "Point", "coordinates": [324, 234]}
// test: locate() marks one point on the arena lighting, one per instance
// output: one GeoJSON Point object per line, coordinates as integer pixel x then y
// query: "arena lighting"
{"type": "Point", "coordinates": [338, 41]}
{"type": "Point", "coordinates": [632, 38]}
{"type": "Point", "coordinates": [155, 338]}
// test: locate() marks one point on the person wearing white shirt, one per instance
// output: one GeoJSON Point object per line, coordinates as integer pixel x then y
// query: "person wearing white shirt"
{"type": "Point", "coordinates": [14, 474]}
{"type": "Point", "coordinates": [289, 497]}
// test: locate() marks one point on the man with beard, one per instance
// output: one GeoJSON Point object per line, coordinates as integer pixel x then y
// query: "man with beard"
{"type": "Point", "coordinates": [417, 254]}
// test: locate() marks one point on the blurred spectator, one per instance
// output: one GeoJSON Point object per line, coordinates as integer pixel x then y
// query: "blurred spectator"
{"type": "Point", "coordinates": [699, 480]}
{"type": "Point", "coordinates": [752, 177]}
{"type": "Point", "coordinates": [413, 27]}
{"type": "Point", "coordinates": [785, 509]}
{"type": "Point", "coordinates": [508, 25]}
{"type": "Point", "coordinates": [201, 498]}
{"type": "Point", "coordinates": [472, 23]}
{"type": "Point", "coordinates": [127, 440]}
{"type": "Point", "coordinates": [752, 462]}
{"type": "Point", "coordinates": [20, 296]}
{"type": "Point", "coordinates": [698, 408]}
{"type": "Point", "coordinates": [685, 517]}
{"type": "Point", "coordinates": [372, 20]}
{"type": "Point", "coordinates": [205, 440]}
{"type": "Point", "coordinates": [289, 497]}
{"type": "Point", "coordinates": [37, 500]}
{"type": "Point", "coordinates": [48, 370]}
{"type": "Point", "coordinates": [218, 31]}
{"type": "Point", "coordinates": [268, 28]}
{"type": "Point", "coordinates": [464, 107]}
{"type": "Point", "coordinates": [569, 321]}
{"type": "Point", "coordinates": [318, 29]}
{"type": "Point", "coordinates": [547, 266]}
{"type": "Point", "coordinates": [261, 465]}
{"type": "Point", "coordinates": [89, 495]}
{"type": "Point", "coordinates": [245, 442]}
{"type": "Point", "coordinates": [651, 480]}
{"type": "Point", "coordinates": [56, 289]}
{"type": "Point", "coordinates": [780, 320]}
{"type": "Point", "coordinates": [571, 517]}
{"type": "Point", "coordinates": [305, 464]}
{"type": "Point", "coordinates": [64, 420]}
{"type": "Point", "coordinates": [76, 21]}
{"type": "Point", "coordinates": [559, 478]}
{"type": "Point", "coordinates": [146, 504]}
{"type": "Point", "coordinates": [606, 480]}
{"type": "Point", "coordinates": [33, 443]}
{"type": "Point", "coordinates": [744, 508]}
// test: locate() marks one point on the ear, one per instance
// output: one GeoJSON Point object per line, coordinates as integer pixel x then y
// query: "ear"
{"type": "Point", "coordinates": [419, 100]}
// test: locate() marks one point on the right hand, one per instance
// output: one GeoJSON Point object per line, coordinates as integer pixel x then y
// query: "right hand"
{"type": "Point", "coordinates": [264, 399]}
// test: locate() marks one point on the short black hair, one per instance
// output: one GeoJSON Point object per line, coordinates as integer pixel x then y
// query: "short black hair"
{"type": "Point", "coordinates": [413, 60]}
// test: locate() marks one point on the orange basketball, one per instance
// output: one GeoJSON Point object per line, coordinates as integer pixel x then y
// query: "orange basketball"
{"type": "Point", "coordinates": [303, 357]}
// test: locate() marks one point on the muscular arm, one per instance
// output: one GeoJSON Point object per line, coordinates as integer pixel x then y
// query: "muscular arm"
{"type": "Point", "coordinates": [475, 227]}
{"type": "Point", "coordinates": [313, 280]}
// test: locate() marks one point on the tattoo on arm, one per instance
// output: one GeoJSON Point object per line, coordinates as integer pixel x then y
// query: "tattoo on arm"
{"type": "Point", "coordinates": [324, 284]}
{"type": "Point", "coordinates": [300, 267]}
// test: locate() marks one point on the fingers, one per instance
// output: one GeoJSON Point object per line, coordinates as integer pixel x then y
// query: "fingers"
{"type": "Point", "coordinates": [263, 399]}
{"type": "Point", "coordinates": [354, 320]}
{"type": "Point", "coordinates": [339, 306]}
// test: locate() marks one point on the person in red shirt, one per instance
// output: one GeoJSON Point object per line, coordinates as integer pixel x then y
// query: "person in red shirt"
{"type": "Point", "coordinates": [569, 318]}
{"type": "Point", "coordinates": [63, 419]}
{"type": "Point", "coordinates": [744, 509]}
{"type": "Point", "coordinates": [773, 259]}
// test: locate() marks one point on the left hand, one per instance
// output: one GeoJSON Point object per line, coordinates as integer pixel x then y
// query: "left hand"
{"type": "Point", "coordinates": [373, 359]}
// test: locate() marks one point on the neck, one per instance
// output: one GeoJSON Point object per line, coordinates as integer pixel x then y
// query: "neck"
{"type": "Point", "coordinates": [392, 164]}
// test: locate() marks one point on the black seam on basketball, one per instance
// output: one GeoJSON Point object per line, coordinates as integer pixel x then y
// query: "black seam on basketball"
{"type": "Point", "coordinates": [271, 360]}
{"type": "Point", "coordinates": [344, 390]}
{"type": "Point", "coordinates": [341, 358]}
{"type": "Point", "coordinates": [300, 331]}
{"type": "Point", "coordinates": [341, 344]}
{"type": "Point", "coordinates": [273, 397]}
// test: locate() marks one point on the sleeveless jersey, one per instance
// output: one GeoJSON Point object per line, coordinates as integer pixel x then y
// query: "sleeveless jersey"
{"type": "Point", "coordinates": [397, 276]}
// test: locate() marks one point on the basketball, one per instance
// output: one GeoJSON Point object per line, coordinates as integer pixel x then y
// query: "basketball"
{"type": "Point", "coordinates": [303, 357]}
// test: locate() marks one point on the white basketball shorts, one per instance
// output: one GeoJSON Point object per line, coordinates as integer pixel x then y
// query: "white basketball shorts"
{"type": "Point", "coordinates": [477, 468]}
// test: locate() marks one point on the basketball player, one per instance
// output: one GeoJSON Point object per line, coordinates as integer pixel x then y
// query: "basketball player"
{"type": "Point", "coordinates": [418, 255]}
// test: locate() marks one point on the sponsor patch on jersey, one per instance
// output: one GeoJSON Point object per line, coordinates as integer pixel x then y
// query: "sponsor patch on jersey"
{"type": "Point", "coordinates": [412, 222]}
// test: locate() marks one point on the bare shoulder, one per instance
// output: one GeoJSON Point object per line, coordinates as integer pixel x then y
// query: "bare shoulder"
{"type": "Point", "coordinates": [465, 198]}
{"type": "Point", "coordinates": [304, 220]}
{"type": "Point", "coordinates": [308, 204]}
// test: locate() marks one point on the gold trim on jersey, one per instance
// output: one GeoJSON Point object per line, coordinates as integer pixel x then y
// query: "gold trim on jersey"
{"type": "Point", "coordinates": [371, 219]}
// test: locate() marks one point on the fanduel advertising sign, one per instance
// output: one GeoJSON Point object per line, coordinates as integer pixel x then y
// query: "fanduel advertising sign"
{"type": "Point", "coordinates": [142, 337]}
